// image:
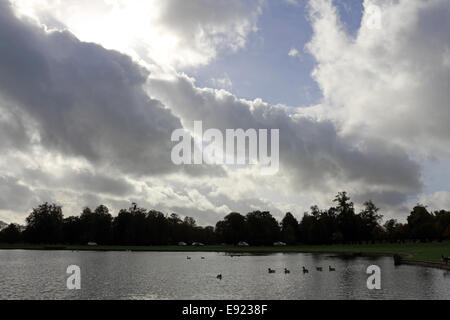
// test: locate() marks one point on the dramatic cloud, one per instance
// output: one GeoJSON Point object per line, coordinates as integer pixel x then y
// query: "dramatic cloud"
{"type": "Point", "coordinates": [389, 82]}
{"type": "Point", "coordinates": [83, 125]}
{"type": "Point", "coordinates": [313, 155]}
{"type": "Point", "coordinates": [171, 33]}
{"type": "Point", "coordinates": [82, 100]}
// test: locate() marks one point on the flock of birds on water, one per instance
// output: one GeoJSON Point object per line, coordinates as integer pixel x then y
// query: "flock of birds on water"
{"type": "Point", "coordinates": [286, 271]}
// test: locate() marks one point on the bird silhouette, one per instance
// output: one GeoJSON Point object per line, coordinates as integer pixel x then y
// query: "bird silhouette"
{"type": "Point", "coordinates": [305, 270]}
{"type": "Point", "coordinates": [331, 269]}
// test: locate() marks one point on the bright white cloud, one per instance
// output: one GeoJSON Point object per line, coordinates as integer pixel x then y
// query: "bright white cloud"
{"type": "Point", "coordinates": [80, 130]}
{"type": "Point", "coordinates": [436, 201]}
{"type": "Point", "coordinates": [294, 53]}
{"type": "Point", "coordinates": [170, 33]}
{"type": "Point", "coordinates": [391, 83]}
{"type": "Point", "coordinates": [314, 157]}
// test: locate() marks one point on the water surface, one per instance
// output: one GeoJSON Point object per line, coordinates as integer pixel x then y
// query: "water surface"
{"type": "Point", "coordinates": [170, 275]}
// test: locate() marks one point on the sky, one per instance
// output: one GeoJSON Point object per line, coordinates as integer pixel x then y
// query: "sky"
{"type": "Point", "coordinates": [91, 91]}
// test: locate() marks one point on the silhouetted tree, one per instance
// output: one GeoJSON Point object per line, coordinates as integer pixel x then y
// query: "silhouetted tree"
{"type": "Point", "coordinates": [289, 229]}
{"type": "Point", "coordinates": [73, 231]}
{"type": "Point", "coordinates": [327, 220]}
{"type": "Point", "coordinates": [158, 228]}
{"type": "Point", "coordinates": [347, 219]}
{"type": "Point", "coordinates": [421, 224]}
{"type": "Point", "coordinates": [232, 229]}
{"type": "Point", "coordinates": [369, 220]}
{"type": "Point", "coordinates": [11, 234]}
{"type": "Point", "coordinates": [317, 226]}
{"type": "Point", "coordinates": [130, 227]}
{"type": "Point", "coordinates": [45, 224]}
{"type": "Point", "coordinates": [176, 228]}
{"type": "Point", "coordinates": [138, 226]}
{"type": "Point", "coordinates": [442, 224]}
{"type": "Point", "coordinates": [263, 229]}
{"type": "Point", "coordinates": [97, 225]}
{"type": "Point", "coordinates": [306, 229]}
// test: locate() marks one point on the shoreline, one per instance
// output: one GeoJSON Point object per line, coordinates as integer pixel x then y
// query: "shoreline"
{"type": "Point", "coordinates": [418, 254]}
{"type": "Point", "coordinates": [427, 264]}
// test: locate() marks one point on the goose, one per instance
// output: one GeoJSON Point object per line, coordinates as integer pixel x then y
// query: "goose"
{"type": "Point", "coordinates": [189, 258]}
{"type": "Point", "coordinates": [305, 270]}
{"type": "Point", "coordinates": [331, 269]}
{"type": "Point", "coordinates": [219, 277]}
{"type": "Point", "coordinates": [286, 271]}
{"type": "Point", "coordinates": [203, 258]}
{"type": "Point", "coordinates": [445, 259]}
{"type": "Point", "coordinates": [319, 269]}
{"type": "Point", "coordinates": [271, 270]}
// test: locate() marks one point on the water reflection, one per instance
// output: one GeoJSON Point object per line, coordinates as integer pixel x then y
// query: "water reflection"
{"type": "Point", "coordinates": [169, 275]}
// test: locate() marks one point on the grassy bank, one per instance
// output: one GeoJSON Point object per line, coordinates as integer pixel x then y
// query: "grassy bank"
{"type": "Point", "coordinates": [429, 252]}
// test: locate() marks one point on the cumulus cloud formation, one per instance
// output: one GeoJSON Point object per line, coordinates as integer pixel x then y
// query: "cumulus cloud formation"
{"type": "Point", "coordinates": [312, 153]}
{"type": "Point", "coordinates": [172, 33]}
{"type": "Point", "coordinates": [390, 82]}
{"type": "Point", "coordinates": [81, 100]}
{"type": "Point", "coordinates": [84, 125]}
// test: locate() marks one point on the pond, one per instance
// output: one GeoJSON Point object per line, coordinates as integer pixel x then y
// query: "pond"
{"type": "Point", "coordinates": [170, 275]}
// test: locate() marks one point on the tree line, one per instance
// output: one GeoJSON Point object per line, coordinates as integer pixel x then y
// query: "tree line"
{"type": "Point", "coordinates": [138, 226]}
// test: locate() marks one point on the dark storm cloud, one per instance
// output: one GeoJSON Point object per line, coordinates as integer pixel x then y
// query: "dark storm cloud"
{"type": "Point", "coordinates": [85, 100]}
{"type": "Point", "coordinates": [312, 153]}
{"type": "Point", "coordinates": [13, 194]}
{"type": "Point", "coordinates": [79, 180]}
{"type": "Point", "coordinates": [382, 198]}
{"type": "Point", "coordinates": [14, 128]}
{"type": "Point", "coordinates": [78, 101]}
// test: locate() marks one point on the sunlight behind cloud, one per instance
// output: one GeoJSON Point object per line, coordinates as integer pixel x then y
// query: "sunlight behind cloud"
{"type": "Point", "coordinates": [151, 30]}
